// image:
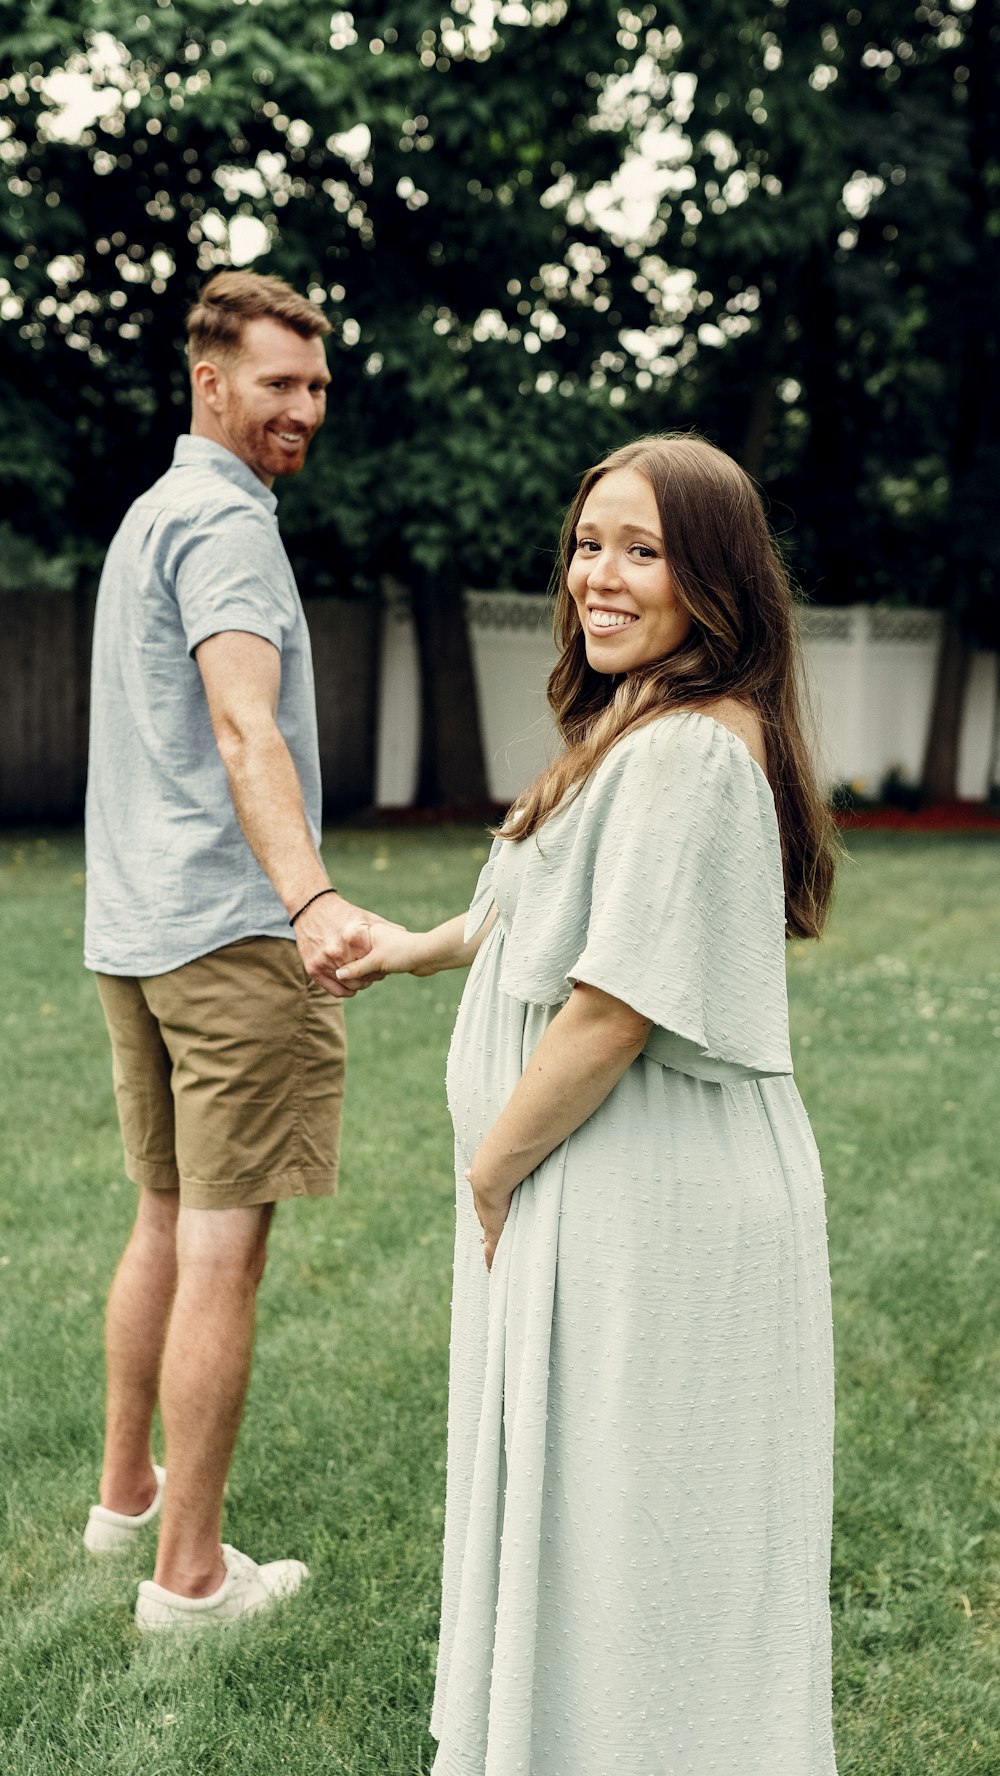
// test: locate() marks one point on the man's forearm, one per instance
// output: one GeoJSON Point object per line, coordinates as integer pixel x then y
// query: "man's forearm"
{"type": "Point", "coordinates": [241, 673]}
{"type": "Point", "coordinates": [267, 797]}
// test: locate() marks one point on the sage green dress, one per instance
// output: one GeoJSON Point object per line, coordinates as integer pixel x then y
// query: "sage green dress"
{"type": "Point", "coordinates": [637, 1535]}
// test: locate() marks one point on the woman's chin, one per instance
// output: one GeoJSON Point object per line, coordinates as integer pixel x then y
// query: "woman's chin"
{"type": "Point", "coordinates": [601, 658]}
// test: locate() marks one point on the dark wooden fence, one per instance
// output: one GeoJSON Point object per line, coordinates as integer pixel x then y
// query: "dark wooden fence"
{"type": "Point", "coordinates": [45, 696]}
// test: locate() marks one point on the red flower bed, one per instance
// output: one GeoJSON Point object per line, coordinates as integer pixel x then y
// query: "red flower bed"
{"type": "Point", "coordinates": [936, 817]}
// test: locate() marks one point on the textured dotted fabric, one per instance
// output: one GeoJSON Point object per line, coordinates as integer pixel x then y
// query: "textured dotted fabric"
{"type": "Point", "coordinates": [637, 1533]}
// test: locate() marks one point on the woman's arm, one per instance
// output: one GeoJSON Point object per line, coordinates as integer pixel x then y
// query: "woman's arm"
{"type": "Point", "coordinates": [584, 1052]}
{"type": "Point", "coordinates": [398, 951]}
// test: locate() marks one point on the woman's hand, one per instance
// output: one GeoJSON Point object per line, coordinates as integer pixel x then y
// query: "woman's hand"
{"type": "Point", "coordinates": [580, 1058]}
{"type": "Point", "coordinates": [394, 950]}
{"type": "Point", "coordinates": [398, 951]}
{"type": "Point", "coordinates": [330, 934]}
{"type": "Point", "coordinates": [492, 1207]}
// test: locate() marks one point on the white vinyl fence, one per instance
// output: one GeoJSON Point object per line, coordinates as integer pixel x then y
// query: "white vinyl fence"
{"type": "Point", "coordinates": [870, 670]}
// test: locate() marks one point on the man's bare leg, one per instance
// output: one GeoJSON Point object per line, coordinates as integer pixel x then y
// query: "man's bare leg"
{"type": "Point", "coordinates": [203, 1384]}
{"type": "Point", "coordinates": [135, 1331]}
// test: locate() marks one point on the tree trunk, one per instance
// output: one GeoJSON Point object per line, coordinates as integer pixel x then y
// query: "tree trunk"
{"type": "Point", "coordinates": [975, 433]}
{"type": "Point", "coordinates": [759, 422]}
{"type": "Point", "coordinates": [994, 786]}
{"type": "Point", "coordinates": [939, 778]}
{"type": "Point", "coordinates": [452, 772]}
{"type": "Point", "coordinates": [760, 416]}
{"type": "Point", "coordinates": [830, 466]}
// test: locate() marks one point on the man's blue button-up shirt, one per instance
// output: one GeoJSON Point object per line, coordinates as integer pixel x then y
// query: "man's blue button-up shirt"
{"type": "Point", "coordinates": [169, 873]}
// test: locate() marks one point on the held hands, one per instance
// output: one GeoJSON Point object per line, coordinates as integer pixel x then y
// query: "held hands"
{"type": "Point", "coordinates": [346, 949]}
{"type": "Point", "coordinates": [392, 950]}
{"type": "Point", "coordinates": [332, 933]}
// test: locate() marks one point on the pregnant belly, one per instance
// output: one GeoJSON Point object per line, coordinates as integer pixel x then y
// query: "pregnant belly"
{"type": "Point", "coordinates": [477, 1081]}
{"type": "Point", "coordinates": [493, 1038]}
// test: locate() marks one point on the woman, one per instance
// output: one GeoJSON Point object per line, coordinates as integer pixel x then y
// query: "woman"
{"type": "Point", "coordinates": [639, 1493]}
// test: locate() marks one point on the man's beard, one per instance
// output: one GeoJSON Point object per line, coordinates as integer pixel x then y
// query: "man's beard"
{"type": "Point", "coordinates": [256, 443]}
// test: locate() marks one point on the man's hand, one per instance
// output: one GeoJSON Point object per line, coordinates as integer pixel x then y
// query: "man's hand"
{"type": "Point", "coordinates": [331, 933]}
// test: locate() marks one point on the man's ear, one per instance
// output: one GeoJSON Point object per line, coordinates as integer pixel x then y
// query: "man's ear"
{"type": "Point", "coordinates": [206, 380]}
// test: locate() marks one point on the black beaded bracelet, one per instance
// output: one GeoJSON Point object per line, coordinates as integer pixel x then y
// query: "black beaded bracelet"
{"type": "Point", "coordinates": [308, 903]}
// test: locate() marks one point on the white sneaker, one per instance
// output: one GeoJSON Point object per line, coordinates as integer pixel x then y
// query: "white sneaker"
{"type": "Point", "coordinates": [246, 1590]}
{"type": "Point", "coordinates": [112, 1532]}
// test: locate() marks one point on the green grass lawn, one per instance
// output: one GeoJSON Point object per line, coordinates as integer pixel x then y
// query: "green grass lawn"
{"type": "Point", "coordinates": [896, 1027]}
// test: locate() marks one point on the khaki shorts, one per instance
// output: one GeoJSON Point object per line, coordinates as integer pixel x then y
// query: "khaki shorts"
{"type": "Point", "coordinates": [229, 1076]}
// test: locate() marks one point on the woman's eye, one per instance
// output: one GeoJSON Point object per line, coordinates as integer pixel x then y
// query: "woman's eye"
{"type": "Point", "coordinates": [643, 552]}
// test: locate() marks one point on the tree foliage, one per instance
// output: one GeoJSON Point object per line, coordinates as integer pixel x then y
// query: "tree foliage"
{"type": "Point", "coordinates": [864, 144]}
{"type": "Point", "coordinates": [403, 175]}
{"type": "Point", "coordinates": [538, 228]}
{"type": "Point", "coordinates": [841, 226]}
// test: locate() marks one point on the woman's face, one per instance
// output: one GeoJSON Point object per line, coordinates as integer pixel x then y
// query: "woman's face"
{"type": "Point", "coordinates": [619, 579]}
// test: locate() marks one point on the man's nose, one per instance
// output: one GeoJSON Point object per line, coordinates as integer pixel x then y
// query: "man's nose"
{"type": "Point", "coordinates": [301, 409]}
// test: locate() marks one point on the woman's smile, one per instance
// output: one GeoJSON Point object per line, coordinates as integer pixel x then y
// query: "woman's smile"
{"type": "Point", "coordinates": [599, 618]}
{"type": "Point", "coordinates": [619, 579]}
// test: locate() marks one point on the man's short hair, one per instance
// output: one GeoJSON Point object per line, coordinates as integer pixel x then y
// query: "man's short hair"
{"type": "Point", "coordinates": [232, 298]}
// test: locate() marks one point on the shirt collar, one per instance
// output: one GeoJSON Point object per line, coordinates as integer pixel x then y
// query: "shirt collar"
{"type": "Point", "coordinates": [203, 453]}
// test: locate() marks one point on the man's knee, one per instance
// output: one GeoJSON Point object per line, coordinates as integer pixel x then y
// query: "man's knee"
{"type": "Point", "coordinates": [155, 1226]}
{"type": "Point", "coordinates": [159, 1208]}
{"type": "Point", "coordinates": [224, 1245]}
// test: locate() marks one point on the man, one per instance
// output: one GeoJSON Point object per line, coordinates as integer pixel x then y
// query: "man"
{"type": "Point", "coordinates": [214, 932]}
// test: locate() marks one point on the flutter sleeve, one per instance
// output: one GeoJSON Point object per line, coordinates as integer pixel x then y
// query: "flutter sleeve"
{"type": "Point", "coordinates": [482, 900]}
{"type": "Point", "coordinates": [670, 897]}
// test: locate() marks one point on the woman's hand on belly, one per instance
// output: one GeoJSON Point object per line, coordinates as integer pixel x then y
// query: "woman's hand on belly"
{"type": "Point", "coordinates": [492, 1207]}
{"type": "Point", "coordinates": [580, 1058]}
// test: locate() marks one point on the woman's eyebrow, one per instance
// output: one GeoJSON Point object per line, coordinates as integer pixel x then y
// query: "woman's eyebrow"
{"type": "Point", "coordinates": [632, 529]}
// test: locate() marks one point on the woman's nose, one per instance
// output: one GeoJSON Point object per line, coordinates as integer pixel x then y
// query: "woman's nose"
{"type": "Point", "coordinates": [603, 571]}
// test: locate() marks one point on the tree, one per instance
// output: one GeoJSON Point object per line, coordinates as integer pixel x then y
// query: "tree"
{"type": "Point", "coordinates": [816, 286]}
{"type": "Point", "coordinates": [839, 219]}
{"type": "Point", "coordinates": [408, 175]}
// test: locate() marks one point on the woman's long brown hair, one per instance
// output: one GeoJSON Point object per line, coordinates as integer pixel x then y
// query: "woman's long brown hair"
{"type": "Point", "coordinates": [742, 644]}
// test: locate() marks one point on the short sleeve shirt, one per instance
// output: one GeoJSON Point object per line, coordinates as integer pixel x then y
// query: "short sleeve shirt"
{"type": "Point", "coordinates": [169, 873]}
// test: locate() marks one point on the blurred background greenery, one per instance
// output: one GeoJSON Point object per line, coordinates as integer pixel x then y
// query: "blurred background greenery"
{"type": "Point", "coordinates": [538, 229]}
